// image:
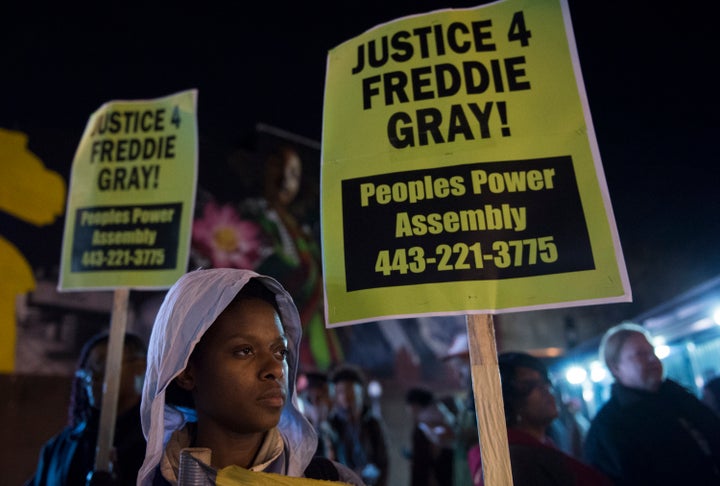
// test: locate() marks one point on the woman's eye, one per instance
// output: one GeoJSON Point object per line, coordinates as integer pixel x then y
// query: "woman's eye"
{"type": "Point", "coordinates": [243, 351]}
{"type": "Point", "coordinates": [282, 353]}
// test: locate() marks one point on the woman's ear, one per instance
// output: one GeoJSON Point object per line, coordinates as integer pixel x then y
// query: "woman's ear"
{"type": "Point", "coordinates": [185, 379]}
{"type": "Point", "coordinates": [613, 369]}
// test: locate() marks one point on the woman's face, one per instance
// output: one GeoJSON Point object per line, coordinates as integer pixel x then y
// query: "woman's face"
{"type": "Point", "coordinates": [238, 373]}
{"type": "Point", "coordinates": [131, 367]}
{"type": "Point", "coordinates": [537, 405]}
{"type": "Point", "coordinates": [348, 395]}
{"type": "Point", "coordinates": [283, 177]}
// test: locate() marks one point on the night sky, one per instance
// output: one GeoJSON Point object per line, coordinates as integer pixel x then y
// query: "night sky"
{"type": "Point", "coordinates": [648, 72]}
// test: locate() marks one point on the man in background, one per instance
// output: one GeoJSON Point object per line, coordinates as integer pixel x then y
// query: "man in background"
{"type": "Point", "coordinates": [652, 431]}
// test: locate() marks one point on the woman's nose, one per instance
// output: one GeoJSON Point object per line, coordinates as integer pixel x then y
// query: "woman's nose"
{"type": "Point", "coordinates": [272, 368]}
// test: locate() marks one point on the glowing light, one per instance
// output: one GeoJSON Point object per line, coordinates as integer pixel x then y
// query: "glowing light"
{"type": "Point", "coordinates": [575, 375]}
{"type": "Point", "coordinates": [699, 382]}
{"type": "Point", "coordinates": [374, 389]}
{"type": "Point", "coordinates": [588, 395]}
{"type": "Point", "coordinates": [662, 351]}
{"type": "Point", "coordinates": [716, 316]}
{"type": "Point", "coordinates": [598, 372]}
{"type": "Point", "coordinates": [658, 341]}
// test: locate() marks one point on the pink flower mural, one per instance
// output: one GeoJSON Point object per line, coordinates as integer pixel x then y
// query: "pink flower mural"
{"type": "Point", "coordinates": [223, 238]}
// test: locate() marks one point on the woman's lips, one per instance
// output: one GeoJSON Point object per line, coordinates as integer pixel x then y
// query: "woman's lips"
{"type": "Point", "coordinates": [273, 398]}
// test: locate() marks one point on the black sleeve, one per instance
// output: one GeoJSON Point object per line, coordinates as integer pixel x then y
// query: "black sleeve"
{"type": "Point", "coordinates": [322, 468]}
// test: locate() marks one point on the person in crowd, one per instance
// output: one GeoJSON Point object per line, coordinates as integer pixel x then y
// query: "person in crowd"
{"type": "Point", "coordinates": [651, 431]}
{"type": "Point", "coordinates": [465, 430]}
{"type": "Point", "coordinates": [431, 451]}
{"type": "Point", "coordinates": [219, 400]}
{"type": "Point", "coordinates": [68, 458]}
{"type": "Point", "coordinates": [315, 403]}
{"type": "Point", "coordinates": [711, 395]}
{"type": "Point", "coordinates": [361, 442]}
{"type": "Point", "coordinates": [530, 409]}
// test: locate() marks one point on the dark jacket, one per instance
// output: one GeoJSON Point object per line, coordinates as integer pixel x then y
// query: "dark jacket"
{"type": "Point", "coordinates": [430, 463]}
{"type": "Point", "coordinates": [67, 458]}
{"type": "Point", "coordinates": [664, 438]}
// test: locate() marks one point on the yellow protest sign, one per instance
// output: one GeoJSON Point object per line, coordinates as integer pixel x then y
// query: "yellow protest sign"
{"type": "Point", "coordinates": [236, 476]}
{"type": "Point", "coordinates": [132, 194]}
{"type": "Point", "coordinates": [460, 171]}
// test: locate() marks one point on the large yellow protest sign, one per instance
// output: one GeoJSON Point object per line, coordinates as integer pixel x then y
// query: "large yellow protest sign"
{"type": "Point", "coordinates": [132, 193]}
{"type": "Point", "coordinates": [460, 170]}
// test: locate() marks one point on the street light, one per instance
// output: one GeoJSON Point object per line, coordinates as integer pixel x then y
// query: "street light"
{"type": "Point", "coordinates": [575, 375]}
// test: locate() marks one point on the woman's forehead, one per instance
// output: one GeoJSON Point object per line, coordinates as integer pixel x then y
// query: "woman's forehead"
{"type": "Point", "coordinates": [522, 372]}
{"type": "Point", "coordinates": [635, 341]}
{"type": "Point", "coordinates": [97, 354]}
{"type": "Point", "coordinates": [247, 317]}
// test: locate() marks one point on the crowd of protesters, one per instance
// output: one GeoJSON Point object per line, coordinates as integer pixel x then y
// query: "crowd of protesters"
{"type": "Point", "coordinates": [223, 392]}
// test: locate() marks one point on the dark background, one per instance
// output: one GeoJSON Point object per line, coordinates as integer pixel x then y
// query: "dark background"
{"type": "Point", "coordinates": [647, 69]}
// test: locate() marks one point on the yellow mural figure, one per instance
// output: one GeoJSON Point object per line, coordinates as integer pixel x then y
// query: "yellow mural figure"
{"type": "Point", "coordinates": [36, 195]}
{"type": "Point", "coordinates": [17, 278]}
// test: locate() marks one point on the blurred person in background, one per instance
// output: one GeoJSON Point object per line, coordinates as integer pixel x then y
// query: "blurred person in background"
{"type": "Point", "coordinates": [465, 430]}
{"type": "Point", "coordinates": [360, 435]}
{"type": "Point", "coordinates": [530, 409]}
{"type": "Point", "coordinates": [315, 404]}
{"type": "Point", "coordinates": [69, 457]}
{"type": "Point", "coordinates": [652, 430]}
{"type": "Point", "coordinates": [432, 440]}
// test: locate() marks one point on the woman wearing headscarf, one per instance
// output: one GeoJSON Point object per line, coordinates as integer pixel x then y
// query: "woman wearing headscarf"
{"type": "Point", "coordinates": [219, 398]}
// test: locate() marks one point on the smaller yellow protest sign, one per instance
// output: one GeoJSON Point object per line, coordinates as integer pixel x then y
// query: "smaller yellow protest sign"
{"type": "Point", "coordinates": [132, 194]}
{"type": "Point", "coordinates": [460, 171]}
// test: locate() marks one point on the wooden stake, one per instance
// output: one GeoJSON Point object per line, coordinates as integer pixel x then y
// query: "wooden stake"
{"type": "Point", "coordinates": [111, 383]}
{"type": "Point", "coordinates": [487, 391]}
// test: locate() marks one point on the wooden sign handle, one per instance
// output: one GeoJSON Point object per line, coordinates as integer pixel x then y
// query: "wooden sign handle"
{"type": "Point", "coordinates": [111, 384]}
{"type": "Point", "coordinates": [489, 408]}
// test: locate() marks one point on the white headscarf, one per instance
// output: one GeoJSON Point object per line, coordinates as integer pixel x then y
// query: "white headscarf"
{"type": "Point", "coordinates": [187, 312]}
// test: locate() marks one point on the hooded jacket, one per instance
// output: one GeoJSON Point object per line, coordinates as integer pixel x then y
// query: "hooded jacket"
{"type": "Point", "coordinates": [190, 307]}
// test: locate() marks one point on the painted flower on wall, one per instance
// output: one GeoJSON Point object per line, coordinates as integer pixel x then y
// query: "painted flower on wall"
{"type": "Point", "coordinates": [223, 238]}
